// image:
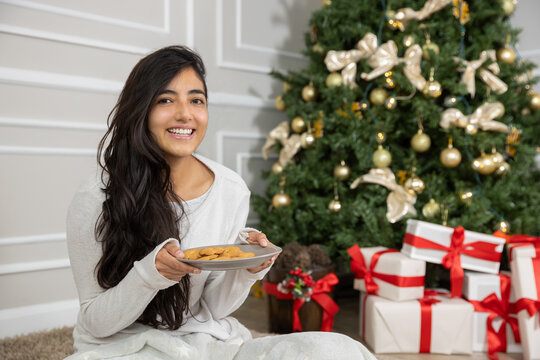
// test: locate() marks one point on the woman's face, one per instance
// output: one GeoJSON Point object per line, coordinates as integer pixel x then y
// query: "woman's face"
{"type": "Point", "coordinates": [179, 116]}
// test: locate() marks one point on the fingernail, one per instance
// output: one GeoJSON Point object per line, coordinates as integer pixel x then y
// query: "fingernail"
{"type": "Point", "coordinates": [179, 253]}
{"type": "Point", "coordinates": [264, 242]}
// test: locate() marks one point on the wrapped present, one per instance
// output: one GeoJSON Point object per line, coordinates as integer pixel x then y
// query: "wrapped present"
{"type": "Point", "coordinates": [526, 285]}
{"type": "Point", "coordinates": [436, 323]}
{"type": "Point", "coordinates": [387, 273]}
{"type": "Point", "coordinates": [456, 249]}
{"type": "Point", "coordinates": [495, 323]}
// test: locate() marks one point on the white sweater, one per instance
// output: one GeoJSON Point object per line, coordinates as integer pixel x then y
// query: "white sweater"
{"type": "Point", "coordinates": [107, 316]}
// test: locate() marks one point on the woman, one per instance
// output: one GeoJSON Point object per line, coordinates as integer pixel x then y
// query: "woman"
{"type": "Point", "coordinates": [154, 198]}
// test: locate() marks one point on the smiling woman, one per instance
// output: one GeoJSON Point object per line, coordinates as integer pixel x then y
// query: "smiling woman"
{"type": "Point", "coordinates": [155, 197]}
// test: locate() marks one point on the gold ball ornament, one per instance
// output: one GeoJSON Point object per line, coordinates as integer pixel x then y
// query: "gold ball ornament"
{"type": "Point", "coordinates": [280, 104]}
{"type": "Point", "coordinates": [497, 158]}
{"type": "Point", "coordinates": [502, 168]}
{"type": "Point", "coordinates": [307, 140]}
{"type": "Point", "coordinates": [506, 55]}
{"type": "Point", "coordinates": [450, 157]}
{"type": "Point", "coordinates": [535, 101]}
{"type": "Point", "coordinates": [484, 164]}
{"type": "Point", "coordinates": [508, 6]}
{"type": "Point", "coordinates": [326, 2]}
{"type": "Point", "coordinates": [381, 157]}
{"type": "Point", "coordinates": [309, 93]}
{"type": "Point", "coordinates": [431, 209]}
{"type": "Point", "coordinates": [317, 48]}
{"type": "Point", "coordinates": [280, 200]}
{"type": "Point", "coordinates": [432, 89]}
{"type": "Point", "coordinates": [342, 171]}
{"type": "Point", "coordinates": [277, 168]}
{"type": "Point", "coordinates": [420, 142]}
{"type": "Point", "coordinates": [286, 86]}
{"type": "Point", "coordinates": [414, 185]}
{"type": "Point", "coordinates": [378, 96]}
{"type": "Point", "coordinates": [334, 79]}
{"type": "Point", "coordinates": [427, 47]}
{"type": "Point", "coordinates": [334, 206]}
{"type": "Point", "coordinates": [298, 124]}
{"type": "Point", "coordinates": [503, 226]}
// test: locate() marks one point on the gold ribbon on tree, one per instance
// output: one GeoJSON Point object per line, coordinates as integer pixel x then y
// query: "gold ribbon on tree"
{"type": "Point", "coordinates": [399, 202]}
{"type": "Point", "coordinates": [407, 14]}
{"type": "Point", "coordinates": [346, 60]}
{"type": "Point", "coordinates": [482, 118]}
{"type": "Point", "coordinates": [291, 144]}
{"type": "Point", "coordinates": [385, 58]}
{"type": "Point", "coordinates": [487, 75]}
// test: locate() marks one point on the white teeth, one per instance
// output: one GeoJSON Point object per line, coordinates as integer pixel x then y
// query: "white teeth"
{"type": "Point", "coordinates": [177, 131]}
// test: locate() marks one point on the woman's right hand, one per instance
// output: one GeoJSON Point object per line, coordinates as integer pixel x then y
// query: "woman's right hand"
{"type": "Point", "coordinates": [168, 266]}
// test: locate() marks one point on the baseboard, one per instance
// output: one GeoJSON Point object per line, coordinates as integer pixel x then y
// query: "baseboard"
{"type": "Point", "coordinates": [28, 319]}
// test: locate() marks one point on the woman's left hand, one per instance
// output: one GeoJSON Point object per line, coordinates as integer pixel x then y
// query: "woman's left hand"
{"type": "Point", "coordinates": [260, 238]}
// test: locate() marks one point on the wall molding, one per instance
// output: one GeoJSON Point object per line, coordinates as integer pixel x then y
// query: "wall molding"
{"type": "Point", "coordinates": [31, 150]}
{"type": "Point", "coordinates": [222, 135]}
{"type": "Point", "coordinates": [30, 266]}
{"type": "Point", "coordinates": [32, 239]}
{"type": "Point", "coordinates": [52, 124]}
{"type": "Point", "coordinates": [164, 29]}
{"type": "Point", "coordinates": [46, 316]}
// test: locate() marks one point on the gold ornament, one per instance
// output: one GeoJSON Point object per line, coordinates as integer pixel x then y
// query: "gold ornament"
{"type": "Point", "coordinates": [342, 171]}
{"type": "Point", "coordinates": [335, 205]}
{"type": "Point", "coordinates": [277, 168]}
{"type": "Point", "coordinates": [429, 46]}
{"type": "Point", "coordinates": [503, 226]}
{"type": "Point", "coordinates": [431, 209]}
{"type": "Point", "coordinates": [496, 157]}
{"type": "Point", "coordinates": [280, 200]}
{"type": "Point", "coordinates": [432, 88]}
{"type": "Point", "coordinates": [280, 105]}
{"type": "Point", "coordinates": [307, 139]}
{"type": "Point", "coordinates": [286, 86]}
{"type": "Point", "coordinates": [414, 185]}
{"type": "Point", "coordinates": [390, 103]}
{"type": "Point", "coordinates": [502, 168]}
{"type": "Point", "coordinates": [326, 3]}
{"type": "Point", "coordinates": [420, 142]}
{"type": "Point", "coordinates": [408, 40]}
{"type": "Point", "coordinates": [317, 48]}
{"type": "Point", "coordinates": [377, 96]}
{"type": "Point", "coordinates": [381, 157]}
{"type": "Point", "coordinates": [309, 93]}
{"type": "Point", "coordinates": [535, 101]}
{"type": "Point", "coordinates": [298, 124]}
{"type": "Point", "coordinates": [466, 196]}
{"type": "Point", "coordinates": [506, 55]}
{"type": "Point", "coordinates": [508, 6]}
{"type": "Point", "coordinates": [483, 164]}
{"type": "Point", "coordinates": [450, 157]}
{"type": "Point", "coordinates": [334, 79]}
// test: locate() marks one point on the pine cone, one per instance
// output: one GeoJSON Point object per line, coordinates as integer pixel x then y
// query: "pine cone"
{"type": "Point", "coordinates": [303, 259]}
{"type": "Point", "coordinates": [319, 257]}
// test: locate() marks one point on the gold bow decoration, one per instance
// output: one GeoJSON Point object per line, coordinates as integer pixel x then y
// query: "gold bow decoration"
{"type": "Point", "coordinates": [482, 118]}
{"type": "Point", "coordinates": [487, 75]}
{"type": "Point", "coordinates": [385, 58]}
{"type": "Point", "coordinates": [399, 202]}
{"type": "Point", "coordinates": [291, 144]}
{"type": "Point", "coordinates": [403, 16]}
{"type": "Point", "coordinates": [346, 60]}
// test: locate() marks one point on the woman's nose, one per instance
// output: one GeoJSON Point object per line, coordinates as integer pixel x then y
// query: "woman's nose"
{"type": "Point", "coordinates": [182, 112]}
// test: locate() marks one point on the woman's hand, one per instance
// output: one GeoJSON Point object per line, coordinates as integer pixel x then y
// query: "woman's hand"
{"type": "Point", "coordinates": [260, 238]}
{"type": "Point", "coordinates": [168, 266]}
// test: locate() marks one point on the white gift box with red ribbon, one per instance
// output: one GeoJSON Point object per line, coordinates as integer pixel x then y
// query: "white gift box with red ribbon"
{"type": "Point", "coordinates": [454, 248]}
{"type": "Point", "coordinates": [387, 273]}
{"type": "Point", "coordinates": [442, 325]}
{"type": "Point", "coordinates": [478, 289]}
{"type": "Point", "coordinates": [526, 286]}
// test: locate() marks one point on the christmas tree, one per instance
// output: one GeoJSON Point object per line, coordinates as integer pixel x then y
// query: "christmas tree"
{"type": "Point", "coordinates": [406, 109]}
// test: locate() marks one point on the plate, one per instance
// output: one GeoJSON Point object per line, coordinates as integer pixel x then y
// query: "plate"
{"type": "Point", "coordinates": [262, 254]}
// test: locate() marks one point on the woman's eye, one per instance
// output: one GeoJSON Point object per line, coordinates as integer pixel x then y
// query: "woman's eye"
{"type": "Point", "coordinates": [198, 101]}
{"type": "Point", "coordinates": [164, 101]}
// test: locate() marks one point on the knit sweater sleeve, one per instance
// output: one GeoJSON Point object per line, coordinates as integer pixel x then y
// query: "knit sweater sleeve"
{"type": "Point", "coordinates": [103, 312]}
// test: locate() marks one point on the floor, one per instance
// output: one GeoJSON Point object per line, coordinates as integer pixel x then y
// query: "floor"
{"type": "Point", "coordinates": [253, 314]}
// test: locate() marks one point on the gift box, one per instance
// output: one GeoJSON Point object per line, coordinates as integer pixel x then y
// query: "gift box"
{"type": "Point", "coordinates": [494, 303]}
{"type": "Point", "coordinates": [387, 273]}
{"type": "Point", "coordinates": [526, 285]}
{"type": "Point", "coordinates": [433, 324]}
{"type": "Point", "coordinates": [456, 249]}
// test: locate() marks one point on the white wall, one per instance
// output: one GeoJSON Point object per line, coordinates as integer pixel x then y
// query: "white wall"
{"type": "Point", "coordinates": [62, 65]}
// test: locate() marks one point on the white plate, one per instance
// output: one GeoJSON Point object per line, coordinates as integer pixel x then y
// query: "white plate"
{"type": "Point", "coordinates": [262, 254]}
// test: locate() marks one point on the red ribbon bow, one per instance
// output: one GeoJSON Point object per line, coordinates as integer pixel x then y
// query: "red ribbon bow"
{"type": "Point", "coordinates": [452, 260]}
{"type": "Point", "coordinates": [502, 308]}
{"type": "Point", "coordinates": [530, 305]}
{"type": "Point", "coordinates": [519, 240]}
{"type": "Point", "coordinates": [425, 318]}
{"type": "Point", "coordinates": [319, 294]}
{"type": "Point", "coordinates": [361, 271]}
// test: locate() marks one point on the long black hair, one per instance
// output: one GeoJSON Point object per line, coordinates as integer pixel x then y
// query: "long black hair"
{"type": "Point", "coordinates": [137, 214]}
